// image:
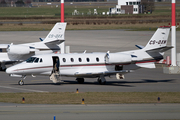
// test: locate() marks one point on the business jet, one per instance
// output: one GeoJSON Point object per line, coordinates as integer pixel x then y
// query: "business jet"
{"type": "Point", "coordinates": [94, 65]}
{"type": "Point", "coordinates": [54, 42]}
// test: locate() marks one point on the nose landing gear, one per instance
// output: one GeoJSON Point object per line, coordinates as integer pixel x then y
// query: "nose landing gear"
{"type": "Point", "coordinates": [21, 82]}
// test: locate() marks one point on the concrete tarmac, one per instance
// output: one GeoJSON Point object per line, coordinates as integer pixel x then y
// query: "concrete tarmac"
{"type": "Point", "coordinates": [90, 112]}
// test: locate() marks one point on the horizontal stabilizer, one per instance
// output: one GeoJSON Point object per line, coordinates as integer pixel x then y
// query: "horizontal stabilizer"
{"type": "Point", "coordinates": [146, 65]}
{"type": "Point", "coordinates": [55, 42]}
{"type": "Point", "coordinates": [161, 49]}
{"type": "Point", "coordinates": [139, 46]}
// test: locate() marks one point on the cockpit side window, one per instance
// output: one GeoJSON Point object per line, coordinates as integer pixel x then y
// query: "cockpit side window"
{"type": "Point", "coordinates": [36, 61]}
{"type": "Point", "coordinates": [41, 60]}
{"type": "Point", "coordinates": [30, 60]}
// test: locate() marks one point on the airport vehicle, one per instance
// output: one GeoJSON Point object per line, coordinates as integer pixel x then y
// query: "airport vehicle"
{"type": "Point", "coordinates": [94, 65]}
{"type": "Point", "coordinates": [54, 41]}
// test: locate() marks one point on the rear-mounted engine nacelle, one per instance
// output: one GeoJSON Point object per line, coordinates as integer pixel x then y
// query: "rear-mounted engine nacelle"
{"type": "Point", "coordinates": [120, 58]}
{"type": "Point", "coordinates": [18, 49]}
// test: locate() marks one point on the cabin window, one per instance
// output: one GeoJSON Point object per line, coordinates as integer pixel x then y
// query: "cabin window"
{"type": "Point", "coordinates": [37, 59]}
{"type": "Point", "coordinates": [0, 50]}
{"type": "Point", "coordinates": [64, 59]}
{"type": "Point", "coordinates": [87, 59]}
{"type": "Point", "coordinates": [97, 59]}
{"type": "Point", "coordinates": [72, 60]}
{"type": "Point", "coordinates": [41, 60]}
{"type": "Point", "coordinates": [30, 60]}
{"type": "Point", "coordinates": [80, 60]}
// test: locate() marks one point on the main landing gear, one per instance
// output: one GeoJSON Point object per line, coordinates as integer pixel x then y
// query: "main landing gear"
{"type": "Point", "coordinates": [101, 80]}
{"type": "Point", "coordinates": [80, 80]}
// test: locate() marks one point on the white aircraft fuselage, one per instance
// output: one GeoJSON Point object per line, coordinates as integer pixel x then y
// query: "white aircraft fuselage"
{"type": "Point", "coordinates": [73, 64]}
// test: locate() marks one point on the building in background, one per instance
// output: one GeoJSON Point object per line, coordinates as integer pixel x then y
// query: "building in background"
{"type": "Point", "coordinates": [133, 7]}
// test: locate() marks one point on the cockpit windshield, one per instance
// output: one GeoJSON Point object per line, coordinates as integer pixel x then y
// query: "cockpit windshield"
{"type": "Point", "coordinates": [34, 59]}
{"type": "Point", "coordinates": [37, 59]}
{"type": "Point", "coordinates": [30, 60]}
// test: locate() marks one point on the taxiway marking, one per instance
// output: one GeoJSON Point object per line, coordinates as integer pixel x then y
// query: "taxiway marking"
{"type": "Point", "coordinates": [22, 89]}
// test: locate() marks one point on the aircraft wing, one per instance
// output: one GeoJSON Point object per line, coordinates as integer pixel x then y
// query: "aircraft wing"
{"type": "Point", "coordinates": [3, 63]}
{"type": "Point", "coordinates": [9, 62]}
{"type": "Point", "coordinates": [105, 73]}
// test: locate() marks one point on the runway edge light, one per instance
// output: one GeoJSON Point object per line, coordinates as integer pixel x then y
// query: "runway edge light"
{"type": "Point", "coordinates": [77, 90]}
{"type": "Point", "coordinates": [23, 100]}
{"type": "Point", "coordinates": [158, 99]}
{"type": "Point", "coordinates": [83, 101]}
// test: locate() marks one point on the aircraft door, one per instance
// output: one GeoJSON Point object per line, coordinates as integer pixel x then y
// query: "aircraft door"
{"type": "Point", "coordinates": [56, 64]}
{"type": "Point", "coordinates": [55, 74]}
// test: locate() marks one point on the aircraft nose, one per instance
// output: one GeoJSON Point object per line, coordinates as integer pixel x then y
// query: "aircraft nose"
{"type": "Point", "coordinates": [9, 70]}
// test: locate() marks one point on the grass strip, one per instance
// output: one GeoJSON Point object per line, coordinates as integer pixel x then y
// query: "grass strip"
{"type": "Point", "coordinates": [48, 27]}
{"type": "Point", "coordinates": [91, 97]}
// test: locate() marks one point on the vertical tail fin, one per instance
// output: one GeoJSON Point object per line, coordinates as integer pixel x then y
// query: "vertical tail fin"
{"type": "Point", "coordinates": [155, 48]}
{"type": "Point", "coordinates": [159, 39]}
{"type": "Point", "coordinates": [57, 33]}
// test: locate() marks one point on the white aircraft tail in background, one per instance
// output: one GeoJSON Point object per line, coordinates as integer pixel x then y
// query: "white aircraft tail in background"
{"type": "Point", "coordinates": [57, 33]}
{"type": "Point", "coordinates": [11, 53]}
{"type": "Point", "coordinates": [94, 65]}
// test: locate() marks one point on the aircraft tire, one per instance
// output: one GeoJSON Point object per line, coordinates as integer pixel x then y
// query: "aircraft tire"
{"type": "Point", "coordinates": [100, 81]}
{"type": "Point", "coordinates": [21, 82]}
{"type": "Point", "coordinates": [80, 80]}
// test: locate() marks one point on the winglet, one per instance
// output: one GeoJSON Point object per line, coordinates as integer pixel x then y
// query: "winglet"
{"type": "Point", "coordinates": [57, 33]}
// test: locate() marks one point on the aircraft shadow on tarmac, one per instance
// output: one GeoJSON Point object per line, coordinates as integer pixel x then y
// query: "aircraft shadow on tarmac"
{"type": "Point", "coordinates": [108, 83]}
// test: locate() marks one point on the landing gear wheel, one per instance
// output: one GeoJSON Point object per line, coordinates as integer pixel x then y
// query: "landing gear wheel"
{"type": "Point", "coordinates": [100, 81]}
{"type": "Point", "coordinates": [80, 80]}
{"type": "Point", "coordinates": [21, 82]}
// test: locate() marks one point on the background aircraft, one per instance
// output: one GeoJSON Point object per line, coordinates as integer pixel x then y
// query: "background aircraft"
{"type": "Point", "coordinates": [94, 65]}
{"type": "Point", "coordinates": [54, 41]}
